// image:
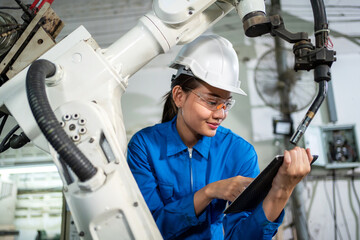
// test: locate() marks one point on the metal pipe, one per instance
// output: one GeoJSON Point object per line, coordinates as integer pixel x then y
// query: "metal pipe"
{"type": "Point", "coordinates": [323, 86]}
{"type": "Point", "coordinates": [319, 13]}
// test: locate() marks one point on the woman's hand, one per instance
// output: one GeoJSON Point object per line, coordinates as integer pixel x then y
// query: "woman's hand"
{"type": "Point", "coordinates": [295, 167]}
{"type": "Point", "coordinates": [227, 189]}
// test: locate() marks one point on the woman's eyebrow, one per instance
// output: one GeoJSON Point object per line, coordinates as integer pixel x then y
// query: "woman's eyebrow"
{"type": "Point", "coordinates": [218, 96]}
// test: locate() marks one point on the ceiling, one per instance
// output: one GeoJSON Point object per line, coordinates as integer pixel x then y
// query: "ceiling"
{"type": "Point", "coordinates": [343, 15]}
{"type": "Point", "coordinates": [111, 19]}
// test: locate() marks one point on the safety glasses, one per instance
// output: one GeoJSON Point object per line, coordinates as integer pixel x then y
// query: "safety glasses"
{"type": "Point", "coordinates": [214, 103]}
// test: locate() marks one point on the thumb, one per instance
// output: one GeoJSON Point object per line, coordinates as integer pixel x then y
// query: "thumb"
{"type": "Point", "coordinates": [287, 159]}
{"type": "Point", "coordinates": [310, 157]}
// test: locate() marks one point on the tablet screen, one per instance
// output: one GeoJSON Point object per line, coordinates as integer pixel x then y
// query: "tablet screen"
{"type": "Point", "coordinates": [259, 188]}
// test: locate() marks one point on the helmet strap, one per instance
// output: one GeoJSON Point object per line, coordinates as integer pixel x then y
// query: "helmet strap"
{"type": "Point", "coordinates": [183, 70]}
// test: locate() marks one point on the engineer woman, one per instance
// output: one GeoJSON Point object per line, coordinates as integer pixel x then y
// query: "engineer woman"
{"type": "Point", "coordinates": [189, 166]}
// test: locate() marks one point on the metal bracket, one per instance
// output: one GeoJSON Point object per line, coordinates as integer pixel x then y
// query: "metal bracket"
{"type": "Point", "coordinates": [278, 29]}
{"type": "Point", "coordinates": [38, 37]}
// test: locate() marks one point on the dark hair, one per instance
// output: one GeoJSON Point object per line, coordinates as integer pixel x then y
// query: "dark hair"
{"type": "Point", "coordinates": [187, 83]}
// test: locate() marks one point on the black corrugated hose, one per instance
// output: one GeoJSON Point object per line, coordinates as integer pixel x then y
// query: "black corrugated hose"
{"type": "Point", "coordinates": [49, 125]}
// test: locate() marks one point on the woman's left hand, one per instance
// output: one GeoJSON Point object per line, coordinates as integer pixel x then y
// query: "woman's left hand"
{"type": "Point", "coordinates": [295, 167]}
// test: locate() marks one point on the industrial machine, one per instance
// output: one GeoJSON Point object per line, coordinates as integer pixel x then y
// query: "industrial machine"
{"type": "Point", "coordinates": [68, 101]}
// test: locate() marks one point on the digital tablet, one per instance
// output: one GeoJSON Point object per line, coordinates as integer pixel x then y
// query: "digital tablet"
{"type": "Point", "coordinates": [259, 188]}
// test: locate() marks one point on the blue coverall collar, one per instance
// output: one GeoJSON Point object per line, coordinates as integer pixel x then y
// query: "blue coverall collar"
{"type": "Point", "coordinates": [176, 145]}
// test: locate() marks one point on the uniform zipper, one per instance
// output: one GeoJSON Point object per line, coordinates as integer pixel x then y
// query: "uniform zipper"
{"type": "Point", "coordinates": [191, 172]}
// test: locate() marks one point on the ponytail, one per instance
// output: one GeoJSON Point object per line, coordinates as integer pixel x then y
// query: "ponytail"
{"type": "Point", "coordinates": [186, 83]}
{"type": "Point", "coordinates": [170, 109]}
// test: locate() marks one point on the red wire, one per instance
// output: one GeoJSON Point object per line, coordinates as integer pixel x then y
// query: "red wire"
{"type": "Point", "coordinates": [36, 2]}
{"type": "Point", "coordinates": [329, 44]}
{"type": "Point", "coordinates": [44, 1]}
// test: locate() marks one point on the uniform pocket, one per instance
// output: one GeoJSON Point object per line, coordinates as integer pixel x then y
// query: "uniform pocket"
{"type": "Point", "coordinates": [166, 191]}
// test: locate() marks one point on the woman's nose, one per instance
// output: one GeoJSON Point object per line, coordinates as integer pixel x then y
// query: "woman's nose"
{"type": "Point", "coordinates": [219, 114]}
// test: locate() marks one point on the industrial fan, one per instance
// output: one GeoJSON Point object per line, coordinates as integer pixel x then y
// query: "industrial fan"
{"type": "Point", "coordinates": [287, 91]}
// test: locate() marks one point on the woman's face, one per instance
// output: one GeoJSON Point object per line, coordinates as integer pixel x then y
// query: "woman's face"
{"type": "Point", "coordinates": [198, 114]}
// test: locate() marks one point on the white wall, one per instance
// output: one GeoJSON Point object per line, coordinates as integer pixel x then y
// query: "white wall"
{"type": "Point", "coordinates": [142, 103]}
{"type": "Point", "coordinates": [320, 210]}
{"type": "Point", "coordinates": [346, 83]}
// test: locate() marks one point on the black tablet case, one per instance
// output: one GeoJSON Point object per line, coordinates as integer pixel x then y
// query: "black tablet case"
{"type": "Point", "coordinates": [259, 188]}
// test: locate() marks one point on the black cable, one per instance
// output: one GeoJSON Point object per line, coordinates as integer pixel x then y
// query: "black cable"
{"type": "Point", "coordinates": [320, 19]}
{"type": "Point", "coordinates": [25, 8]}
{"type": "Point", "coordinates": [3, 123]}
{"type": "Point", "coordinates": [310, 206]}
{"type": "Point", "coordinates": [312, 199]}
{"type": "Point", "coordinates": [10, 8]}
{"type": "Point", "coordinates": [354, 189]}
{"type": "Point", "coordinates": [18, 141]}
{"type": "Point", "coordinates": [329, 202]}
{"type": "Point", "coordinates": [11, 140]}
{"type": "Point", "coordinates": [4, 147]}
{"type": "Point", "coordinates": [5, 144]}
{"type": "Point", "coordinates": [353, 186]}
{"type": "Point", "coordinates": [334, 202]}
{"type": "Point", "coordinates": [342, 211]}
{"type": "Point", "coordinates": [353, 210]}
{"type": "Point", "coordinates": [48, 123]}
{"type": "Point", "coordinates": [328, 197]}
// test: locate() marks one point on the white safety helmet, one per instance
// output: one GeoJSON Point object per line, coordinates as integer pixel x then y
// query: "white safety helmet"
{"type": "Point", "coordinates": [212, 59]}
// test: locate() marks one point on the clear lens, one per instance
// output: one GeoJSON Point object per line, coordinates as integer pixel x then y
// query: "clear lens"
{"type": "Point", "coordinates": [229, 104]}
{"type": "Point", "coordinates": [214, 103]}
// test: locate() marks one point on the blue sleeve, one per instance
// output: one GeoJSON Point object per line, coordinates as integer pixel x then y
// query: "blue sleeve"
{"type": "Point", "coordinates": [250, 224]}
{"type": "Point", "coordinates": [172, 218]}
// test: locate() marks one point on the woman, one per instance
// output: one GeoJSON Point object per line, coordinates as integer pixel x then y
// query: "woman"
{"type": "Point", "coordinates": [189, 166]}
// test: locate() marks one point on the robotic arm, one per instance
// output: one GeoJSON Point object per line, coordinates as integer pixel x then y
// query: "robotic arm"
{"type": "Point", "coordinates": [171, 23]}
{"type": "Point", "coordinates": [74, 96]}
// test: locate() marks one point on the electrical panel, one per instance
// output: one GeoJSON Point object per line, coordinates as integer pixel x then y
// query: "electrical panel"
{"type": "Point", "coordinates": [336, 145]}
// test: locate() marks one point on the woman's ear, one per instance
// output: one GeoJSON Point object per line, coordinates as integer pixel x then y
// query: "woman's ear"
{"type": "Point", "coordinates": [179, 96]}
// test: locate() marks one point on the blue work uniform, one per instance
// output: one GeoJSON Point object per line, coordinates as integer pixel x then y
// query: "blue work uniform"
{"type": "Point", "coordinates": [168, 175]}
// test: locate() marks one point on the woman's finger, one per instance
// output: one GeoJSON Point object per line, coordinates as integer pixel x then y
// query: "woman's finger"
{"type": "Point", "coordinates": [287, 160]}
{"type": "Point", "coordinates": [310, 157]}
